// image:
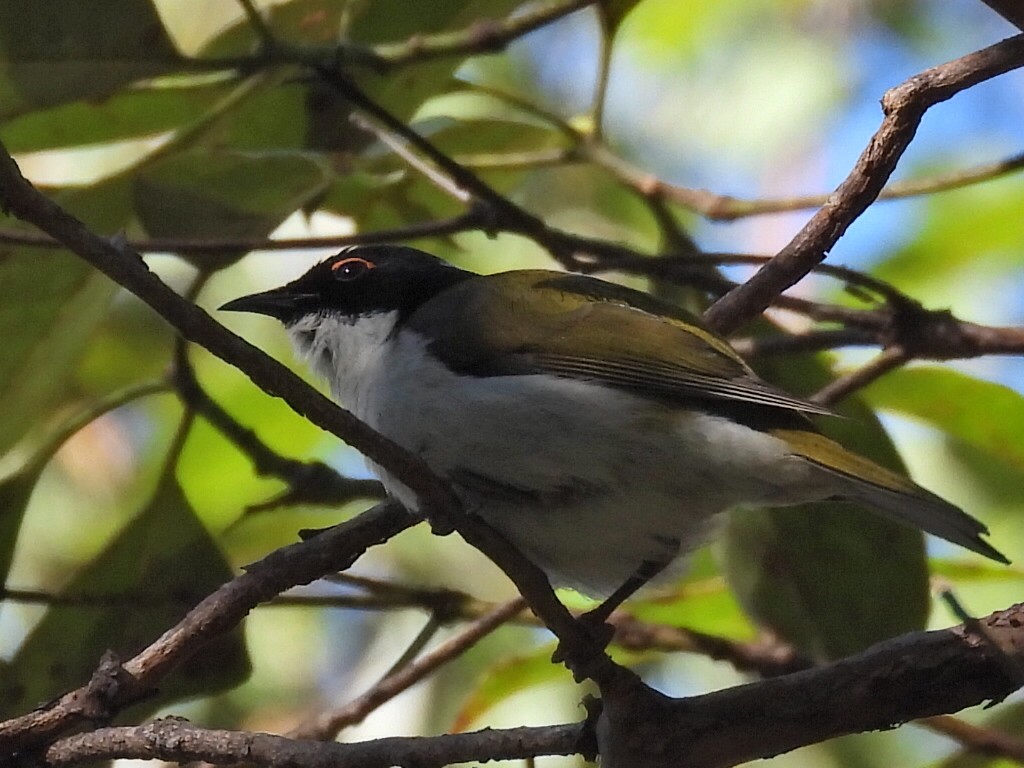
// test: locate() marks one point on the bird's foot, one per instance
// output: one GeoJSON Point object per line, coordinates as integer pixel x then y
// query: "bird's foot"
{"type": "Point", "coordinates": [594, 623]}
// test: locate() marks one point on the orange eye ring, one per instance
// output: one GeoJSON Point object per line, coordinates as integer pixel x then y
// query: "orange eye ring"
{"type": "Point", "coordinates": [351, 268]}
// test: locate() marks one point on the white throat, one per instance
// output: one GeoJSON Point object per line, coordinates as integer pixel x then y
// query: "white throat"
{"type": "Point", "coordinates": [351, 354]}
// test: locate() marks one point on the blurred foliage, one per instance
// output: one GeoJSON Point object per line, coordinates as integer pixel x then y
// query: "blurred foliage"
{"type": "Point", "coordinates": [743, 97]}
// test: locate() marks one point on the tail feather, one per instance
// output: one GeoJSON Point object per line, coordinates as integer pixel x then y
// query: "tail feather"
{"type": "Point", "coordinates": [894, 495]}
{"type": "Point", "coordinates": [928, 512]}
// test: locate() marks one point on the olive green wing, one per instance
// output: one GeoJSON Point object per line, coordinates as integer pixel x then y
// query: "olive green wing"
{"type": "Point", "coordinates": [578, 327]}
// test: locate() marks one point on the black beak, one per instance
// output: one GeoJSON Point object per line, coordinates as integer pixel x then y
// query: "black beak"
{"type": "Point", "coordinates": [279, 302]}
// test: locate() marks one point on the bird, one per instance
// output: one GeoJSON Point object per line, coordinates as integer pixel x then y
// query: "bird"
{"type": "Point", "coordinates": [602, 431]}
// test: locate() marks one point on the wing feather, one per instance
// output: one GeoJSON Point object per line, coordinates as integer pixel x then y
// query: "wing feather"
{"type": "Point", "coordinates": [578, 327]}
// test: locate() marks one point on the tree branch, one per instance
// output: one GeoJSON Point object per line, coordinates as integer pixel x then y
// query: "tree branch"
{"type": "Point", "coordinates": [904, 106]}
{"type": "Point", "coordinates": [1010, 10]}
{"type": "Point", "coordinates": [917, 675]}
{"type": "Point", "coordinates": [179, 741]}
{"type": "Point", "coordinates": [329, 724]}
{"type": "Point", "coordinates": [718, 207]}
{"type": "Point", "coordinates": [920, 674]}
{"type": "Point", "coordinates": [482, 36]}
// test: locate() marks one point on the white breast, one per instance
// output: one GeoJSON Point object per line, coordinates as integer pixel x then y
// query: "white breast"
{"type": "Point", "coordinates": [586, 480]}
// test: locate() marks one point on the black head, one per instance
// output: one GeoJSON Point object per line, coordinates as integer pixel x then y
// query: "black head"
{"type": "Point", "coordinates": [357, 282]}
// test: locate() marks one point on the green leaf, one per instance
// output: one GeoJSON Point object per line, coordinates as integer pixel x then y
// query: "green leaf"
{"type": "Point", "coordinates": [15, 492]}
{"type": "Point", "coordinates": [210, 194]}
{"type": "Point", "coordinates": [506, 678]}
{"type": "Point", "coordinates": [66, 50]}
{"type": "Point", "coordinates": [273, 117]}
{"type": "Point", "coordinates": [830, 578]}
{"type": "Point", "coordinates": [163, 562]}
{"type": "Point", "coordinates": [129, 114]}
{"type": "Point", "coordinates": [937, 263]}
{"type": "Point", "coordinates": [981, 413]}
{"type": "Point", "coordinates": [50, 304]}
{"type": "Point", "coordinates": [702, 602]}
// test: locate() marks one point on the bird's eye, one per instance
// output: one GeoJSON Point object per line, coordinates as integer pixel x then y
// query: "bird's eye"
{"type": "Point", "coordinates": [351, 269]}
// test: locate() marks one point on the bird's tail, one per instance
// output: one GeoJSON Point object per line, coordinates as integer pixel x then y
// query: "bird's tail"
{"type": "Point", "coordinates": [895, 496]}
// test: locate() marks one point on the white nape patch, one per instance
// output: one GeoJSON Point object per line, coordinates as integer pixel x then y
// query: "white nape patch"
{"type": "Point", "coordinates": [586, 480]}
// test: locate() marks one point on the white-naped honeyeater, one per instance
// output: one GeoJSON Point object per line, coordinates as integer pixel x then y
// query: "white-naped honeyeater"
{"type": "Point", "coordinates": [601, 430]}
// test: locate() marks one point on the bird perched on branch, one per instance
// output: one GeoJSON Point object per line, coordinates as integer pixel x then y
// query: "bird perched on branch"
{"type": "Point", "coordinates": [601, 430]}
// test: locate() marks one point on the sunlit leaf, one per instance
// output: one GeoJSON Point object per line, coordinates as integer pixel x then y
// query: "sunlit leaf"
{"type": "Point", "coordinates": [506, 678]}
{"type": "Point", "coordinates": [983, 414]}
{"type": "Point", "coordinates": [162, 563]}
{"type": "Point", "coordinates": [128, 114]}
{"type": "Point", "coordinates": [50, 303]}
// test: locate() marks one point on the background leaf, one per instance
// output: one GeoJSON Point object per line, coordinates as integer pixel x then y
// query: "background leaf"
{"type": "Point", "coordinates": [983, 414]}
{"type": "Point", "coordinates": [163, 562]}
{"type": "Point", "coordinates": [15, 492]}
{"type": "Point", "coordinates": [510, 676]}
{"type": "Point", "coordinates": [64, 50]}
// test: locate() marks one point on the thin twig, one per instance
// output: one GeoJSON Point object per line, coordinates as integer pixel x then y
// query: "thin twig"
{"type": "Point", "coordinates": [464, 222]}
{"type": "Point", "coordinates": [800, 343]}
{"type": "Point", "coordinates": [718, 207]}
{"type": "Point", "coordinates": [887, 360]}
{"type": "Point", "coordinates": [975, 738]}
{"type": "Point", "coordinates": [481, 37]}
{"type": "Point", "coordinates": [329, 724]}
{"type": "Point", "coordinates": [400, 146]}
{"type": "Point", "coordinates": [604, 60]}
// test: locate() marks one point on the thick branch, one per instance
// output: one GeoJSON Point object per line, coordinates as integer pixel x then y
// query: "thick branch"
{"type": "Point", "coordinates": [904, 106]}
{"type": "Point", "coordinates": [1011, 10]}
{"type": "Point", "coordinates": [917, 675]}
{"type": "Point", "coordinates": [181, 742]}
{"type": "Point", "coordinates": [913, 676]}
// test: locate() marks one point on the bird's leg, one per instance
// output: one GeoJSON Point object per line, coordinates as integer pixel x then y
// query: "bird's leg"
{"type": "Point", "coordinates": [647, 570]}
{"type": "Point", "coordinates": [596, 621]}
